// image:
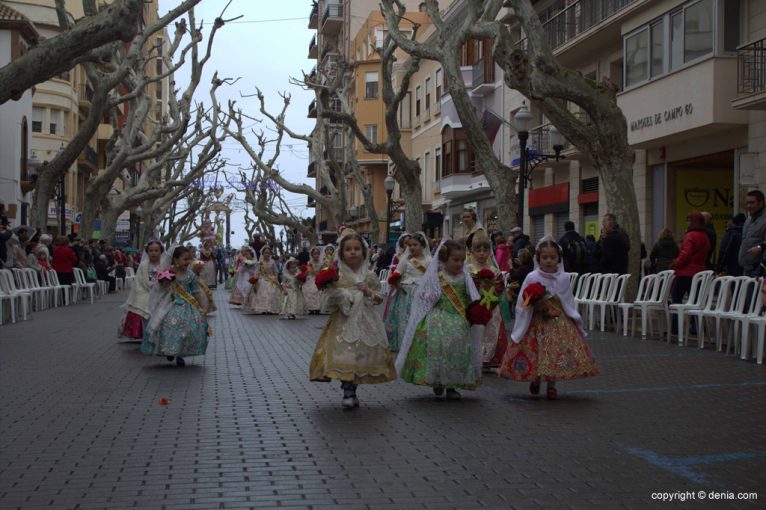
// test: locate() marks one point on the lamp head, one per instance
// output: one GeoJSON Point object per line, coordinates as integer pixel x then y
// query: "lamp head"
{"type": "Point", "coordinates": [522, 121]}
{"type": "Point", "coordinates": [389, 183]}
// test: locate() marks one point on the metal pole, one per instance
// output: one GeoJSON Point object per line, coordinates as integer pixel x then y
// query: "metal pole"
{"type": "Point", "coordinates": [62, 205]}
{"type": "Point", "coordinates": [523, 136]}
{"type": "Point", "coordinates": [228, 228]}
{"type": "Point", "coordinates": [388, 215]}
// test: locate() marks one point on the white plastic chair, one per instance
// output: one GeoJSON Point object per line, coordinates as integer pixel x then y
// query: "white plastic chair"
{"type": "Point", "coordinates": [577, 286]}
{"type": "Point", "coordinates": [83, 285]}
{"type": "Point", "coordinates": [716, 300]}
{"type": "Point", "coordinates": [645, 287]}
{"type": "Point", "coordinates": [747, 302]}
{"type": "Point", "coordinates": [614, 297]}
{"type": "Point", "coordinates": [60, 290]}
{"type": "Point", "coordinates": [9, 288]}
{"type": "Point", "coordinates": [584, 291]}
{"type": "Point", "coordinates": [11, 300]}
{"type": "Point", "coordinates": [130, 277]}
{"type": "Point", "coordinates": [658, 302]}
{"type": "Point", "coordinates": [384, 287]}
{"type": "Point", "coordinates": [696, 298]}
{"type": "Point", "coordinates": [599, 294]}
{"type": "Point", "coordinates": [29, 281]}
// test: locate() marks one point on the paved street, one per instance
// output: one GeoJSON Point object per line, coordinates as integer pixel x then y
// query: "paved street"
{"type": "Point", "coordinates": [82, 427]}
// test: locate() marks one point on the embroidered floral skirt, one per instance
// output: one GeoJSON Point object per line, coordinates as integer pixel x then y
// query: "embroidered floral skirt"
{"type": "Point", "coordinates": [312, 295]}
{"type": "Point", "coordinates": [551, 349]}
{"type": "Point", "coordinates": [294, 303]}
{"type": "Point", "coordinates": [182, 332]}
{"type": "Point", "coordinates": [442, 351]}
{"type": "Point", "coordinates": [397, 315]}
{"type": "Point", "coordinates": [264, 298]}
{"type": "Point", "coordinates": [236, 297]}
{"type": "Point", "coordinates": [358, 362]}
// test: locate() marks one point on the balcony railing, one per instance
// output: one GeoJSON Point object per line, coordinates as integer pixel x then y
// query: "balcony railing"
{"type": "Point", "coordinates": [483, 72]}
{"type": "Point", "coordinates": [335, 153]}
{"type": "Point", "coordinates": [85, 93]}
{"type": "Point", "coordinates": [90, 156]}
{"type": "Point", "coordinates": [312, 109]}
{"type": "Point", "coordinates": [313, 17]}
{"type": "Point", "coordinates": [540, 140]}
{"type": "Point", "coordinates": [751, 68]}
{"type": "Point", "coordinates": [578, 18]}
{"type": "Point", "coordinates": [332, 11]}
{"type": "Point", "coordinates": [313, 47]}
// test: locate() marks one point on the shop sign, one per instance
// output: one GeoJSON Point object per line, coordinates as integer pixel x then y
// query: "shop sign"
{"type": "Point", "coordinates": [703, 190]}
{"type": "Point", "coordinates": [668, 115]}
{"type": "Point", "coordinates": [53, 212]}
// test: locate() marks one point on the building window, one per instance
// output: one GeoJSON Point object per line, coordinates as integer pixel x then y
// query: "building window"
{"type": "Point", "coordinates": [158, 90]}
{"type": "Point", "coordinates": [438, 84]}
{"type": "Point", "coordinates": [371, 85]}
{"type": "Point", "coordinates": [426, 175]}
{"type": "Point", "coordinates": [428, 93]}
{"type": "Point", "coordinates": [371, 132]}
{"type": "Point", "coordinates": [159, 43]}
{"type": "Point", "coordinates": [636, 58]}
{"type": "Point", "coordinates": [698, 29]}
{"type": "Point", "coordinates": [158, 63]}
{"type": "Point", "coordinates": [650, 52]}
{"type": "Point", "coordinates": [447, 168]}
{"type": "Point", "coordinates": [54, 121]}
{"type": "Point", "coordinates": [437, 163]}
{"type": "Point", "coordinates": [405, 111]}
{"type": "Point", "coordinates": [37, 119]}
{"type": "Point", "coordinates": [462, 156]}
{"type": "Point", "coordinates": [417, 104]}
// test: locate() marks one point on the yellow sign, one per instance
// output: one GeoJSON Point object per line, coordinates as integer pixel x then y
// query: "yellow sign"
{"type": "Point", "coordinates": [704, 190]}
{"type": "Point", "coordinates": [592, 229]}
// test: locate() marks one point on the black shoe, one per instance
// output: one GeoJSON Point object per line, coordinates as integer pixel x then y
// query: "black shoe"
{"type": "Point", "coordinates": [438, 391]}
{"type": "Point", "coordinates": [180, 362]}
{"type": "Point", "coordinates": [170, 358]}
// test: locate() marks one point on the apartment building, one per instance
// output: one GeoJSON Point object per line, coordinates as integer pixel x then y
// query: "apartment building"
{"type": "Point", "coordinates": [350, 32]}
{"type": "Point", "coordinates": [62, 103]}
{"type": "Point", "coordinates": [17, 36]}
{"type": "Point", "coordinates": [693, 90]}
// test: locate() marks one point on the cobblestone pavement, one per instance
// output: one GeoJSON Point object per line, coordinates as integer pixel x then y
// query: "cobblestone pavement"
{"type": "Point", "coordinates": [82, 427]}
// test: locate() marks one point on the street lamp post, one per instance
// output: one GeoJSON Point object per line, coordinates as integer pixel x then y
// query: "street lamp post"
{"type": "Point", "coordinates": [389, 183]}
{"type": "Point", "coordinates": [139, 231]}
{"type": "Point", "coordinates": [527, 162]}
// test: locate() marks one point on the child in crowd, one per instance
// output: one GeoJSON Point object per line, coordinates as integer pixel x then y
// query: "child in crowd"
{"type": "Point", "coordinates": [198, 267]}
{"type": "Point", "coordinates": [265, 297]}
{"type": "Point", "coordinates": [328, 254]}
{"type": "Point", "coordinates": [353, 347]}
{"type": "Point", "coordinates": [244, 270]}
{"type": "Point", "coordinates": [178, 326]}
{"type": "Point", "coordinates": [293, 303]}
{"type": "Point", "coordinates": [404, 281]}
{"type": "Point", "coordinates": [439, 348]}
{"type": "Point", "coordinates": [495, 341]}
{"type": "Point", "coordinates": [548, 338]}
{"type": "Point", "coordinates": [134, 322]}
{"type": "Point", "coordinates": [311, 294]}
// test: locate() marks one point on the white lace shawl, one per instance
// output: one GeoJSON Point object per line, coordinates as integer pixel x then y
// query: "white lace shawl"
{"type": "Point", "coordinates": [557, 284]}
{"type": "Point", "coordinates": [362, 323]}
{"type": "Point", "coordinates": [161, 297]}
{"type": "Point", "coordinates": [427, 295]}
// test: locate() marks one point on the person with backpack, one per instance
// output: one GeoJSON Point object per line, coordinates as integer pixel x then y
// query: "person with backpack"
{"type": "Point", "coordinates": [575, 251]}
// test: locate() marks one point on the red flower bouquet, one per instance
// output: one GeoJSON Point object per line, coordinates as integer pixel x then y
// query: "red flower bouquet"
{"type": "Point", "coordinates": [395, 278]}
{"type": "Point", "coordinates": [478, 314]}
{"type": "Point", "coordinates": [484, 274]}
{"type": "Point", "coordinates": [304, 269]}
{"type": "Point", "coordinates": [301, 277]}
{"type": "Point", "coordinates": [253, 280]}
{"type": "Point", "coordinates": [533, 293]}
{"type": "Point", "coordinates": [326, 278]}
{"type": "Point", "coordinates": [166, 275]}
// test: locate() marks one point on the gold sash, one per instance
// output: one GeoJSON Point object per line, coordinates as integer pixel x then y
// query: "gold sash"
{"type": "Point", "coordinates": [181, 292]}
{"type": "Point", "coordinates": [417, 265]}
{"type": "Point", "coordinates": [451, 294]}
{"type": "Point", "coordinates": [272, 281]}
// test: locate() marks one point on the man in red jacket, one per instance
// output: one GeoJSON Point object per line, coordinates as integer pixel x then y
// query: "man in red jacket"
{"type": "Point", "coordinates": [692, 259]}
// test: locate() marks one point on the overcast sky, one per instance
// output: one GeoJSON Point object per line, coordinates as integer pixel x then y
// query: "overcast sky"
{"type": "Point", "coordinates": [264, 48]}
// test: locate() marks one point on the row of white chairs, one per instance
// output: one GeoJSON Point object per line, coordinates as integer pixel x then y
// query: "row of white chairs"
{"type": "Point", "coordinates": [26, 290]}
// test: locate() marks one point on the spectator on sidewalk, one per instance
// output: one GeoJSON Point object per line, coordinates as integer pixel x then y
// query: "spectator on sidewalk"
{"type": "Point", "coordinates": [664, 252]}
{"type": "Point", "coordinates": [729, 252]}
{"type": "Point", "coordinates": [503, 254]}
{"type": "Point", "coordinates": [519, 240]}
{"type": "Point", "coordinates": [615, 245]}
{"type": "Point", "coordinates": [64, 260]}
{"type": "Point", "coordinates": [751, 250]}
{"type": "Point", "coordinates": [691, 260]}
{"type": "Point", "coordinates": [575, 251]}
{"type": "Point", "coordinates": [711, 235]}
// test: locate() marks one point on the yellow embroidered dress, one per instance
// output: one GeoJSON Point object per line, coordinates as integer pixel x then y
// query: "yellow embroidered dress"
{"type": "Point", "coordinates": [353, 346]}
{"type": "Point", "coordinates": [267, 295]}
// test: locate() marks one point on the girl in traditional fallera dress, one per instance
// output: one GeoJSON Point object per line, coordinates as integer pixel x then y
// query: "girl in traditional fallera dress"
{"type": "Point", "coordinates": [177, 327]}
{"type": "Point", "coordinates": [207, 272]}
{"type": "Point", "coordinates": [495, 341]}
{"type": "Point", "coordinates": [328, 255]}
{"type": "Point", "coordinates": [440, 348]}
{"type": "Point", "coordinates": [353, 347]}
{"type": "Point", "coordinates": [404, 281]}
{"type": "Point", "coordinates": [265, 297]}
{"type": "Point", "coordinates": [310, 292]}
{"type": "Point", "coordinates": [293, 281]}
{"type": "Point", "coordinates": [401, 251]}
{"type": "Point", "coordinates": [198, 268]}
{"type": "Point", "coordinates": [245, 269]}
{"type": "Point", "coordinates": [138, 300]}
{"type": "Point", "coordinates": [548, 338]}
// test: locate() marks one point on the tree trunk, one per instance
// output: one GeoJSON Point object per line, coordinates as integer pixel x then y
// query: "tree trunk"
{"type": "Point", "coordinates": [88, 220]}
{"type": "Point", "coordinates": [109, 224]}
{"type": "Point", "coordinates": [45, 188]}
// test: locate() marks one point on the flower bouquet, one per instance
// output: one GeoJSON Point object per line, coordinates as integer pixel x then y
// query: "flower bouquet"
{"type": "Point", "coordinates": [536, 295]}
{"type": "Point", "coordinates": [166, 276]}
{"type": "Point", "coordinates": [327, 277]}
{"type": "Point", "coordinates": [253, 280]}
{"type": "Point", "coordinates": [198, 266]}
{"type": "Point", "coordinates": [478, 314]}
{"type": "Point", "coordinates": [301, 278]}
{"type": "Point", "coordinates": [395, 279]}
{"type": "Point", "coordinates": [248, 262]}
{"type": "Point", "coordinates": [304, 269]}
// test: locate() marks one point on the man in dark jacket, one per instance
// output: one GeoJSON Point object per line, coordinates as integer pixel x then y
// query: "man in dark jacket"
{"type": "Point", "coordinates": [711, 236]}
{"type": "Point", "coordinates": [729, 252]}
{"type": "Point", "coordinates": [753, 231]}
{"type": "Point", "coordinates": [304, 256]}
{"type": "Point", "coordinates": [575, 252]}
{"type": "Point", "coordinates": [519, 241]}
{"type": "Point", "coordinates": [613, 256]}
